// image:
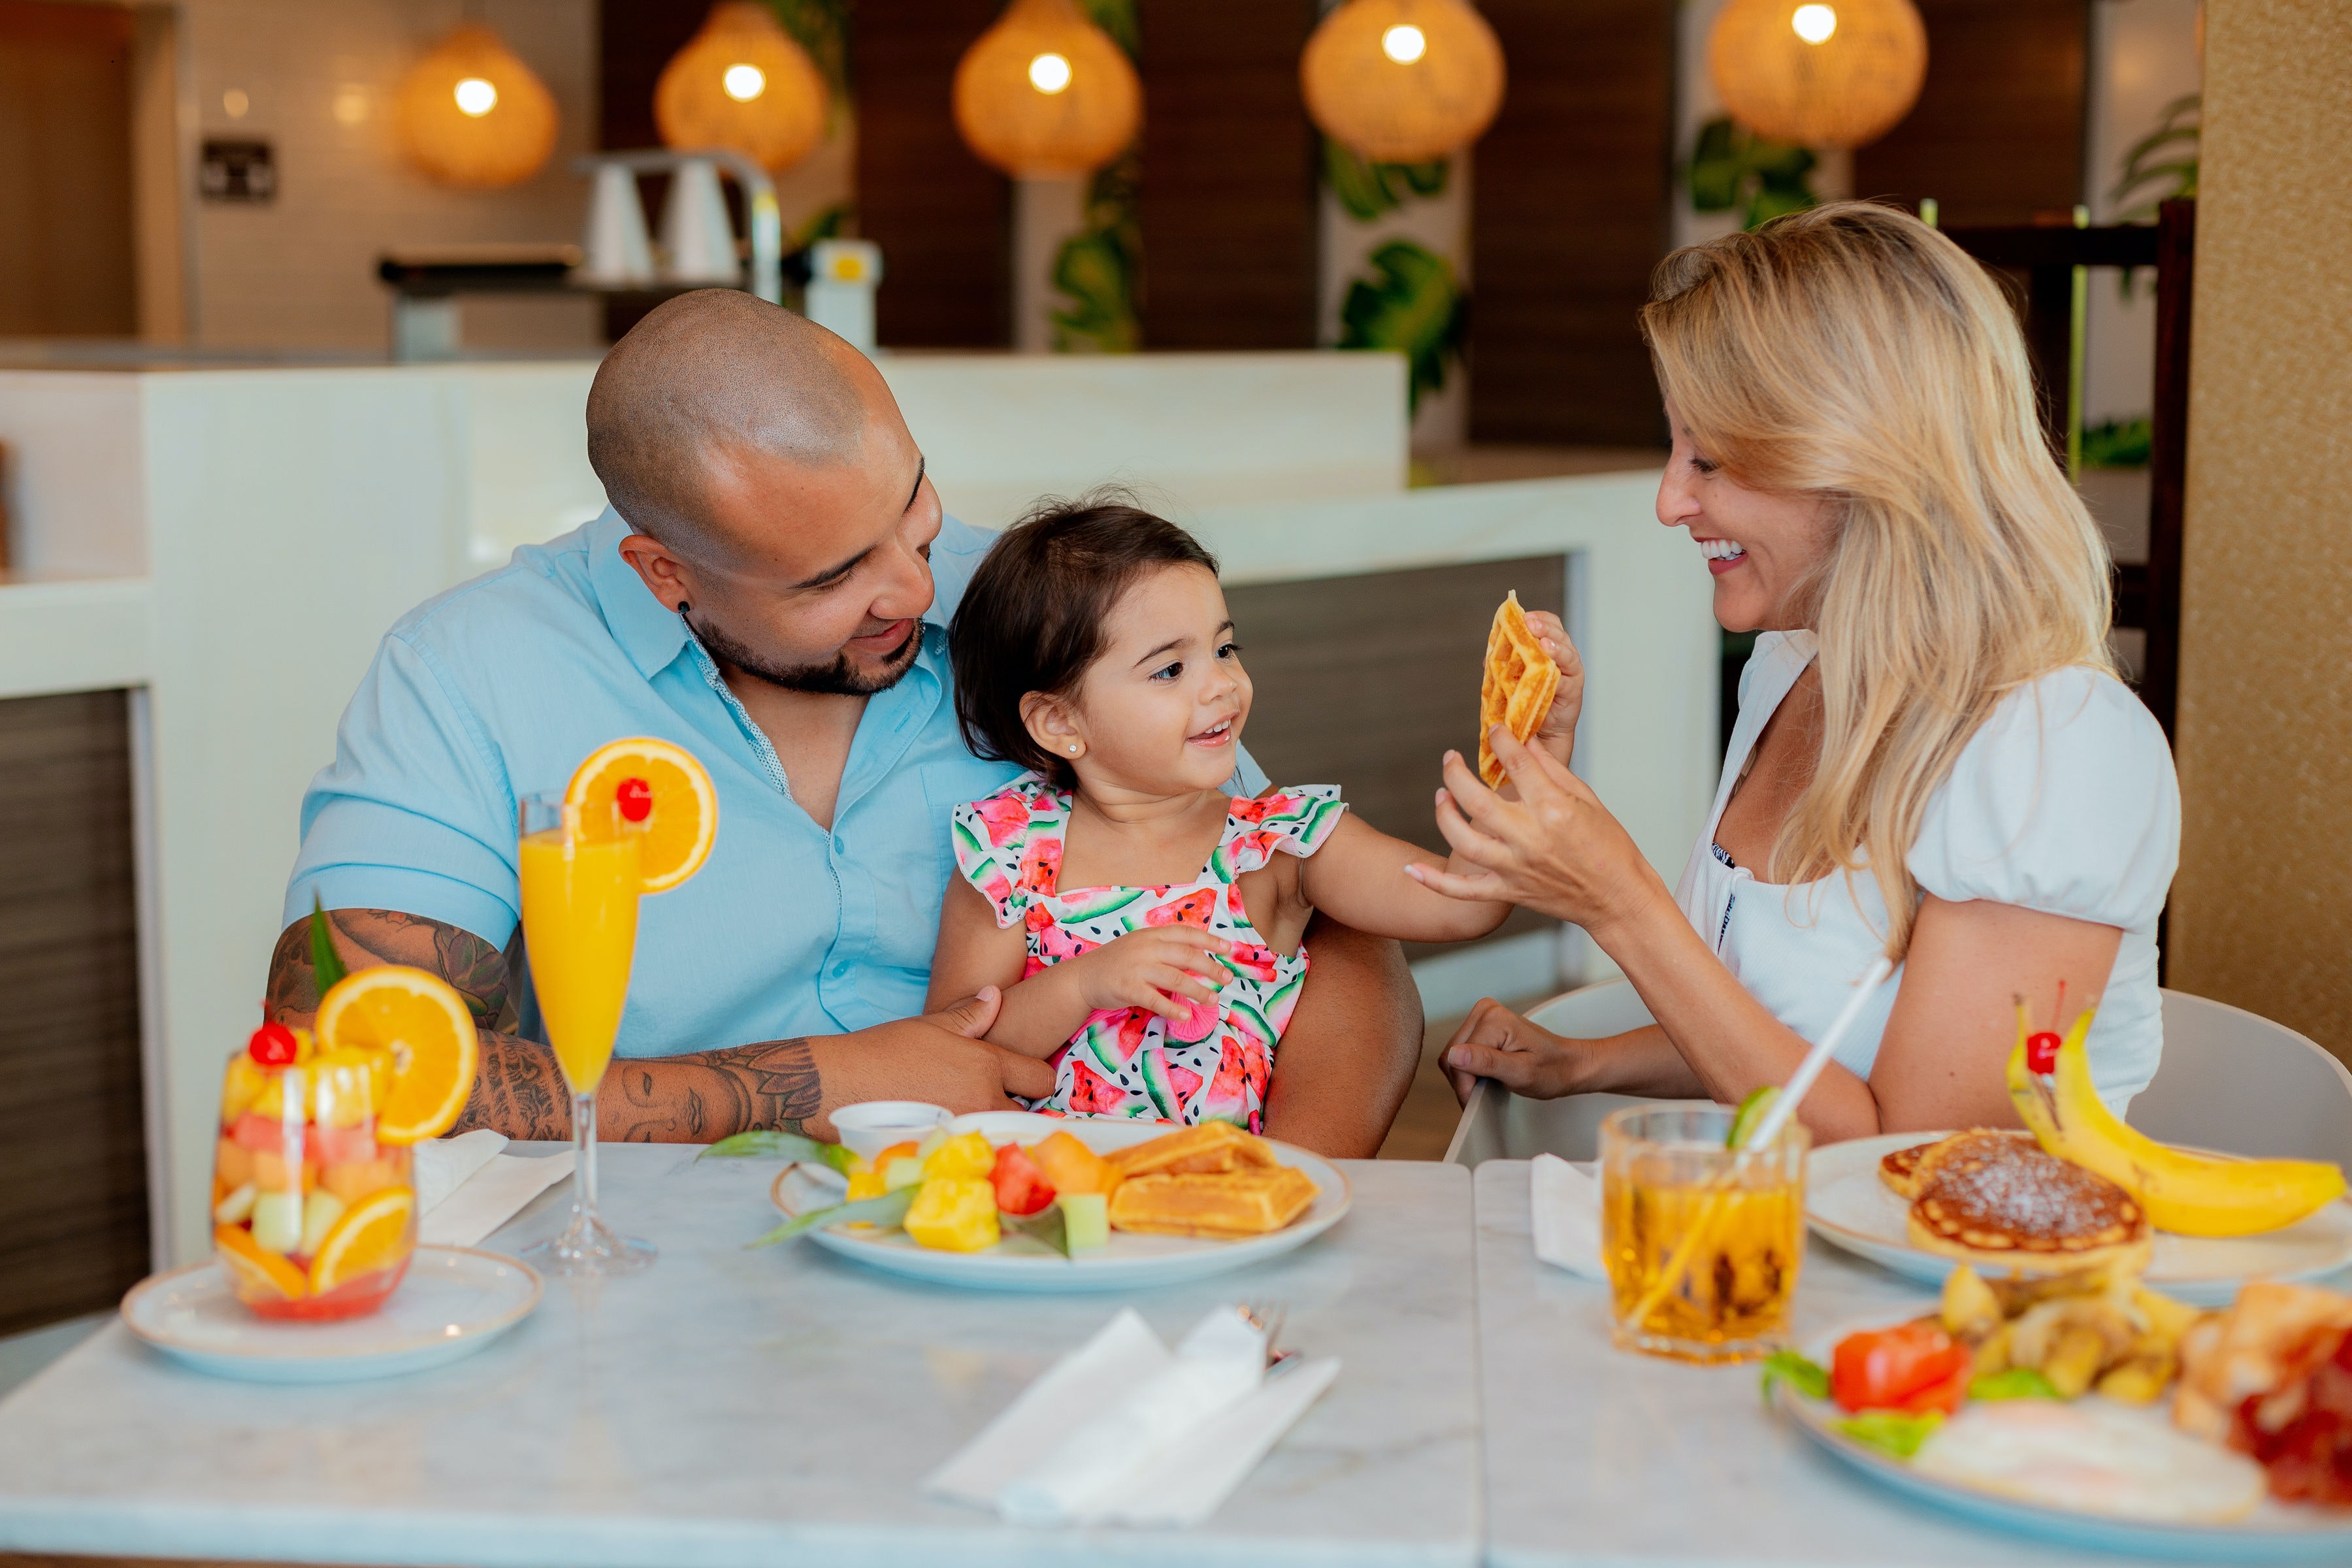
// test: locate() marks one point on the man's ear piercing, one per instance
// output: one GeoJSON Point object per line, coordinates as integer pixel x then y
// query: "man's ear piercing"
{"type": "Point", "coordinates": [683, 606]}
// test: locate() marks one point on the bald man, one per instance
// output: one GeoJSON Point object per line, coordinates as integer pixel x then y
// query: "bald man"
{"type": "Point", "coordinates": [774, 602]}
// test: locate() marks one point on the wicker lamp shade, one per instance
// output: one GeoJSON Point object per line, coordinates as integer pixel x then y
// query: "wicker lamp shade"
{"type": "Point", "coordinates": [1403, 81]}
{"type": "Point", "coordinates": [1820, 75]}
{"type": "Point", "coordinates": [471, 114]}
{"type": "Point", "coordinates": [1046, 93]}
{"type": "Point", "coordinates": [742, 83]}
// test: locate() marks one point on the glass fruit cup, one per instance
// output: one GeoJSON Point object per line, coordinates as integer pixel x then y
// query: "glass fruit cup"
{"type": "Point", "coordinates": [313, 1217]}
{"type": "Point", "coordinates": [1703, 1243]}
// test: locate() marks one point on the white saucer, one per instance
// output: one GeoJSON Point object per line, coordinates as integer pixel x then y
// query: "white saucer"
{"type": "Point", "coordinates": [1849, 1205]}
{"type": "Point", "coordinates": [454, 1301]}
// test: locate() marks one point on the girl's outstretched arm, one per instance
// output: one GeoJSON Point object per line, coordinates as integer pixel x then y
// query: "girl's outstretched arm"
{"type": "Point", "coordinates": [1358, 879]}
{"type": "Point", "coordinates": [1155, 969]}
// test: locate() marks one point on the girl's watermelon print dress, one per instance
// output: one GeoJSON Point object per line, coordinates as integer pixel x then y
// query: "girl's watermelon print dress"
{"type": "Point", "coordinates": [1215, 1065]}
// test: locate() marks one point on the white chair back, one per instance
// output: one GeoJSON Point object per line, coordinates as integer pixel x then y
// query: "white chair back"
{"type": "Point", "coordinates": [2234, 1080]}
{"type": "Point", "coordinates": [2231, 1080]}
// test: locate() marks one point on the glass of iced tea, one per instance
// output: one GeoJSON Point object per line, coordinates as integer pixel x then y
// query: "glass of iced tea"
{"type": "Point", "coordinates": [1702, 1243]}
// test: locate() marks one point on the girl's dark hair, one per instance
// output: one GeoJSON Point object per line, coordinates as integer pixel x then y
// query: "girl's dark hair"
{"type": "Point", "coordinates": [1032, 618]}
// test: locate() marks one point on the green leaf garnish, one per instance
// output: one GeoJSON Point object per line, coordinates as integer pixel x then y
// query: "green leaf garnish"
{"type": "Point", "coordinates": [2013, 1382]}
{"type": "Point", "coordinates": [325, 962]}
{"type": "Point", "coordinates": [886, 1212]}
{"type": "Point", "coordinates": [1895, 1432]}
{"type": "Point", "coordinates": [1046, 1225]}
{"type": "Point", "coordinates": [1808, 1378]}
{"type": "Point", "coordinates": [782, 1145]}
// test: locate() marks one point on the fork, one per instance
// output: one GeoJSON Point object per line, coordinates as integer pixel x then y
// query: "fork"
{"type": "Point", "coordinates": [1268, 1317]}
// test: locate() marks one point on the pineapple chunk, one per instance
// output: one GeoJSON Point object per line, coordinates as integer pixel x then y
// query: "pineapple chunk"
{"type": "Point", "coordinates": [953, 1213]}
{"type": "Point", "coordinates": [1971, 1309]}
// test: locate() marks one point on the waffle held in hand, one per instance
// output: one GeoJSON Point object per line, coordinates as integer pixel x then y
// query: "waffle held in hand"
{"type": "Point", "coordinates": [1521, 680]}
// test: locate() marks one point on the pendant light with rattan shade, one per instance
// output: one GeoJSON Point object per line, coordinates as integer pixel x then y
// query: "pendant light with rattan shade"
{"type": "Point", "coordinates": [742, 83]}
{"type": "Point", "coordinates": [471, 114]}
{"type": "Point", "coordinates": [1046, 94]}
{"type": "Point", "coordinates": [1835, 74]}
{"type": "Point", "coordinates": [1403, 81]}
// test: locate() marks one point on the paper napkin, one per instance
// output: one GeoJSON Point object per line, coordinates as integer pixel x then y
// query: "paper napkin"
{"type": "Point", "coordinates": [1567, 1205]}
{"type": "Point", "coordinates": [467, 1188]}
{"type": "Point", "coordinates": [1123, 1430]}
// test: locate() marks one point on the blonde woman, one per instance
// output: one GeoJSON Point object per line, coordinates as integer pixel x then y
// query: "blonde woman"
{"type": "Point", "coordinates": [1934, 758]}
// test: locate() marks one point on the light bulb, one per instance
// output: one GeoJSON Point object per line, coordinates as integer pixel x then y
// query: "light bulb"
{"type": "Point", "coordinates": [744, 82]}
{"type": "Point", "coordinates": [1814, 23]}
{"type": "Point", "coordinates": [1404, 43]}
{"type": "Point", "coordinates": [476, 97]}
{"type": "Point", "coordinates": [1049, 73]}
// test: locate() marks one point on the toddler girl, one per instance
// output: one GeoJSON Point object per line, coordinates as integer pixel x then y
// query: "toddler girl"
{"type": "Point", "coordinates": [1144, 924]}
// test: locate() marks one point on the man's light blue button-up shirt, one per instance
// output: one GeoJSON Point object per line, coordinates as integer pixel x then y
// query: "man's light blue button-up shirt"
{"type": "Point", "coordinates": [498, 688]}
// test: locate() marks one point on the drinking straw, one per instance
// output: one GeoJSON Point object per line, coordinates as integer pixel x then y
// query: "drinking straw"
{"type": "Point", "coordinates": [1769, 1127]}
{"type": "Point", "coordinates": [1778, 1115]}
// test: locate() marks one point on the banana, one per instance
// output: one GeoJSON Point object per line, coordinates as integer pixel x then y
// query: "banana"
{"type": "Point", "coordinates": [2189, 1194]}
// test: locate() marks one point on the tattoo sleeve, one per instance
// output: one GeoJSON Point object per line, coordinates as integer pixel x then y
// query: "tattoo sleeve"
{"type": "Point", "coordinates": [698, 1097]}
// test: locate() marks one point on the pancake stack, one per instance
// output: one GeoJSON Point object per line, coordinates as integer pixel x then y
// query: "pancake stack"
{"type": "Point", "coordinates": [1999, 1201]}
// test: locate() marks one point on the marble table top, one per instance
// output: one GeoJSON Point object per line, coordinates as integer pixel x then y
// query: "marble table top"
{"type": "Point", "coordinates": [763, 1408]}
{"type": "Point", "coordinates": [1597, 1456]}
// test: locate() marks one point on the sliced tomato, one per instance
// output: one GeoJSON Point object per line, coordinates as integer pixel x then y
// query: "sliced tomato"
{"type": "Point", "coordinates": [1020, 1186]}
{"type": "Point", "coordinates": [1914, 1367]}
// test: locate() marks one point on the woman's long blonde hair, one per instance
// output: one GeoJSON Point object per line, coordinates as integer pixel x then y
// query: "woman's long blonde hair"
{"type": "Point", "coordinates": [1854, 354]}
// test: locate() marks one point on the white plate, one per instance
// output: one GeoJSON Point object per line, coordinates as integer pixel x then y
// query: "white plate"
{"type": "Point", "coordinates": [454, 1301]}
{"type": "Point", "coordinates": [1018, 1263]}
{"type": "Point", "coordinates": [2274, 1533]}
{"type": "Point", "coordinates": [1849, 1205]}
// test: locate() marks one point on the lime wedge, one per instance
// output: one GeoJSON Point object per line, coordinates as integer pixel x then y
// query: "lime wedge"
{"type": "Point", "coordinates": [1751, 1111]}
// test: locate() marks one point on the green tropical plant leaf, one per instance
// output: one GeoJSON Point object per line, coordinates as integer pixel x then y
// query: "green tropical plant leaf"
{"type": "Point", "coordinates": [1116, 18]}
{"type": "Point", "coordinates": [1093, 271]}
{"type": "Point", "coordinates": [887, 1212]}
{"type": "Point", "coordinates": [1413, 306]}
{"type": "Point", "coordinates": [1421, 179]}
{"type": "Point", "coordinates": [822, 27]}
{"type": "Point", "coordinates": [783, 1145]}
{"type": "Point", "coordinates": [1732, 167]}
{"type": "Point", "coordinates": [1356, 183]}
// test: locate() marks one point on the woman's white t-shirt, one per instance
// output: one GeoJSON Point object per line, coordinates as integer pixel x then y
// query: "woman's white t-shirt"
{"type": "Point", "coordinates": [2063, 802]}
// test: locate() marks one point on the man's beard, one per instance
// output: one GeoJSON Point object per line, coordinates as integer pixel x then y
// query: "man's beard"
{"type": "Point", "coordinates": [835, 678]}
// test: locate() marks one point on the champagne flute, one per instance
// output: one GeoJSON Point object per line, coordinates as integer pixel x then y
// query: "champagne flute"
{"type": "Point", "coordinates": [580, 868]}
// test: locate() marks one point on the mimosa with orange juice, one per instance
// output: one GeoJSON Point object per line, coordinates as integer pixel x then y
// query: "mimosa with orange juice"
{"type": "Point", "coordinates": [580, 892]}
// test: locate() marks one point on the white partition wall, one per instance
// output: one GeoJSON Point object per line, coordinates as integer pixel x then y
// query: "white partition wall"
{"type": "Point", "coordinates": [233, 543]}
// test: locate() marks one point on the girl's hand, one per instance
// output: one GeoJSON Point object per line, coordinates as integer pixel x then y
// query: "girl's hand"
{"type": "Point", "coordinates": [1153, 969]}
{"type": "Point", "coordinates": [1557, 733]}
{"type": "Point", "coordinates": [1555, 850]}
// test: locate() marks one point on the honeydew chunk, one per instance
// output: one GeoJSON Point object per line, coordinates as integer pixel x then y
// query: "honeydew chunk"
{"type": "Point", "coordinates": [278, 1221]}
{"type": "Point", "coordinates": [1086, 1218]}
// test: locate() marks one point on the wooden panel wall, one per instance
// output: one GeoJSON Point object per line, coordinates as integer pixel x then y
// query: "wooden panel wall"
{"type": "Point", "coordinates": [1365, 681]}
{"type": "Point", "coordinates": [1569, 212]}
{"type": "Point", "coordinates": [67, 260]}
{"type": "Point", "coordinates": [73, 1161]}
{"type": "Point", "coordinates": [1997, 135]}
{"type": "Point", "coordinates": [942, 218]}
{"type": "Point", "coordinates": [1229, 175]}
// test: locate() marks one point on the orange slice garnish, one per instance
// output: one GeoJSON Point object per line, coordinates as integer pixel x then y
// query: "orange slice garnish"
{"type": "Point", "coordinates": [684, 821]}
{"type": "Point", "coordinates": [255, 1272]}
{"type": "Point", "coordinates": [373, 1235]}
{"type": "Point", "coordinates": [420, 1023]}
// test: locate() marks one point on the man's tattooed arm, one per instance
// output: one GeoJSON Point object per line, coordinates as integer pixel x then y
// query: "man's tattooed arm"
{"type": "Point", "coordinates": [698, 1097]}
